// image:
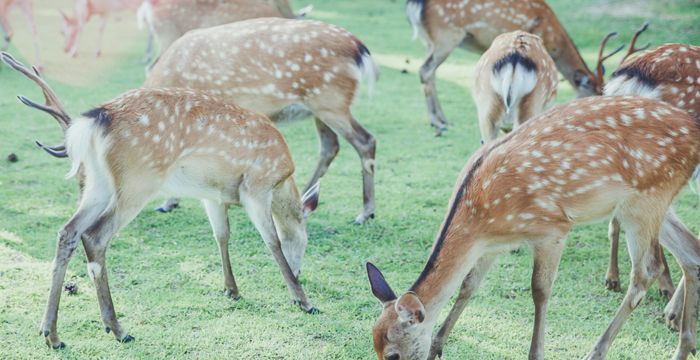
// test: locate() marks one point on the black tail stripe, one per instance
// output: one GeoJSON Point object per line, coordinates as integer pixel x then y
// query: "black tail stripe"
{"type": "Point", "coordinates": [514, 58]}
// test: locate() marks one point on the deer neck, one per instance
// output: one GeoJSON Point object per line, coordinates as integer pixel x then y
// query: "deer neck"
{"type": "Point", "coordinates": [568, 60]}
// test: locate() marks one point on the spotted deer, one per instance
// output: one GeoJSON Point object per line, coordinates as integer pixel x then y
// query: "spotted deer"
{"type": "Point", "coordinates": [84, 10]}
{"type": "Point", "coordinates": [173, 140]}
{"type": "Point", "coordinates": [575, 163]}
{"type": "Point", "coordinates": [169, 20]}
{"type": "Point", "coordinates": [514, 80]}
{"type": "Point", "coordinates": [26, 7]}
{"type": "Point", "coordinates": [444, 25]}
{"type": "Point", "coordinates": [670, 73]}
{"type": "Point", "coordinates": [274, 65]}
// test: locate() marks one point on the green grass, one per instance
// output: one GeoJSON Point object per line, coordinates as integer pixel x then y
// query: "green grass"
{"type": "Point", "coordinates": [165, 269]}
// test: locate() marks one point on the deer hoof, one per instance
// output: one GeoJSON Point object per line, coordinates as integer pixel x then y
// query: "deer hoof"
{"type": "Point", "coordinates": [313, 311]}
{"type": "Point", "coordinates": [61, 345]}
{"type": "Point", "coordinates": [126, 339]}
{"type": "Point", "coordinates": [613, 285]}
{"type": "Point", "coordinates": [233, 294]}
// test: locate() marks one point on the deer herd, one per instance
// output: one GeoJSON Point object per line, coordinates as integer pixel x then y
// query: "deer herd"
{"type": "Point", "coordinates": [203, 126]}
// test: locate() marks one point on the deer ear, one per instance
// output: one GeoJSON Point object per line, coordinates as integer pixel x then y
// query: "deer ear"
{"type": "Point", "coordinates": [310, 199]}
{"type": "Point", "coordinates": [380, 288]}
{"type": "Point", "coordinates": [410, 309]}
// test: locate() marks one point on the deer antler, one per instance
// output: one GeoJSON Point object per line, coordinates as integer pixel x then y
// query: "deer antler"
{"type": "Point", "coordinates": [53, 105]}
{"type": "Point", "coordinates": [632, 49]}
{"type": "Point", "coordinates": [599, 67]}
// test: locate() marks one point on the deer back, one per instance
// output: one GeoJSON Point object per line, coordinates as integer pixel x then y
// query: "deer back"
{"type": "Point", "coordinates": [266, 64]}
{"type": "Point", "coordinates": [670, 72]}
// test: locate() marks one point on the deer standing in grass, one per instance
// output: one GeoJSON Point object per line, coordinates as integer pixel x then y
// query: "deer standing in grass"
{"type": "Point", "coordinates": [273, 65]}
{"type": "Point", "coordinates": [86, 9]}
{"type": "Point", "coordinates": [174, 140]}
{"type": "Point", "coordinates": [444, 25]}
{"type": "Point", "coordinates": [670, 73]}
{"type": "Point", "coordinates": [170, 19]}
{"type": "Point", "coordinates": [26, 7]}
{"type": "Point", "coordinates": [514, 80]}
{"type": "Point", "coordinates": [576, 163]}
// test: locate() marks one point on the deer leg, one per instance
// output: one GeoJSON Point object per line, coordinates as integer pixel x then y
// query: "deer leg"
{"type": "Point", "coordinates": [489, 110]}
{"type": "Point", "coordinates": [343, 123]}
{"type": "Point", "coordinates": [666, 288]}
{"type": "Point", "coordinates": [642, 240]}
{"type": "Point", "coordinates": [6, 29]}
{"type": "Point", "coordinates": [328, 151]}
{"type": "Point", "coordinates": [258, 206]}
{"type": "Point", "coordinates": [686, 249]}
{"type": "Point", "coordinates": [101, 31]}
{"type": "Point", "coordinates": [68, 239]}
{"type": "Point", "coordinates": [612, 278]}
{"type": "Point", "coordinates": [674, 308]}
{"type": "Point", "coordinates": [427, 79]}
{"type": "Point", "coordinates": [218, 218]}
{"type": "Point", "coordinates": [469, 286]}
{"type": "Point", "coordinates": [289, 222]}
{"type": "Point", "coordinates": [149, 49]}
{"type": "Point", "coordinates": [168, 205]}
{"type": "Point", "coordinates": [546, 262]}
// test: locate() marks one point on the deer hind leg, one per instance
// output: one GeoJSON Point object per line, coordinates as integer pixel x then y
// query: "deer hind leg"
{"type": "Point", "coordinates": [68, 239]}
{"type": "Point", "coordinates": [612, 277]}
{"type": "Point", "coordinates": [258, 206]}
{"type": "Point", "coordinates": [489, 110]}
{"type": "Point", "coordinates": [686, 249]}
{"type": "Point", "coordinates": [437, 56]}
{"type": "Point", "coordinates": [328, 150]}
{"type": "Point", "coordinates": [642, 241]}
{"type": "Point", "coordinates": [343, 123]}
{"type": "Point", "coordinates": [469, 286]}
{"type": "Point", "coordinates": [289, 221]}
{"type": "Point", "coordinates": [6, 29]}
{"type": "Point", "coordinates": [101, 31]}
{"type": "Point", "coordinates": [547, 255]}
{"type": "Point", "coordinates": [218, 218]}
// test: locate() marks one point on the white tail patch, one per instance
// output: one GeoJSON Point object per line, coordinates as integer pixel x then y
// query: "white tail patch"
{"type": "Point", "coordinates": [369, 72]}
{"type": "Point", "coordinates": [625, 85]}
{"type": "Point", "coordinates": [414, 12]}
{"type": "Point", "coordinates": [144, 16]}
{"type": "Point", "coordinates": [79, 139]}
{"type": "Point", "coordinates": [512, 84]}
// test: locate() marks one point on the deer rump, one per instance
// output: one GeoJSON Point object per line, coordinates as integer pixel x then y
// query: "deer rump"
{"type": "Point", "coordinates": [514, 77]}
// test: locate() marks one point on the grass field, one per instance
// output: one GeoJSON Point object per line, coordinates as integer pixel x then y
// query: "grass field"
{"type": "Point", "coordinates": [165, 269]}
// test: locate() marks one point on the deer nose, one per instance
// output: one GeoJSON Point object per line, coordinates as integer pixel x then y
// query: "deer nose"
{"type": "Point", "coordinates": [392, 356]}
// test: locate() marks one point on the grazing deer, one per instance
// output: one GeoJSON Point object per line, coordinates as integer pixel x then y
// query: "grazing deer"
{"type": "Point", "coordinates": [26, 7]}
{"type": "Point", "coordinates": [273, 65]}
{"type": "Point", "coordinates": [173, 140]}
{"type": "Point", "coordinates": [514, 80]}
{"type": "Point", "coordinates": [169, 20]}
{"type": "Point", "coordinates": [86, 9]}
{"type": "Point", "coordinates": [575, 163]}
{"type": "Point", "coordinates": [669, 73]}
{"type": "Point", "coordinates": [444, 25]}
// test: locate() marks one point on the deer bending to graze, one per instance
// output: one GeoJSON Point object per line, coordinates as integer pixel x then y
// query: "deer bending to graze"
{"type": "Point", "coordinates": [575, 163]}
{"type": "Point", "coordinates": [272, 65]}
{"type": "Point", "coordinates": [169, 20]}
{"type": "Point", "coordinates": [670, 73]}
{"type": "Point", "coordinates": [173, 140]}
{"type": "Point", "coordinates": [514, 80]}
{"type": "Point", "coordinates": [444, 25]}
{"type": "Point", "coordinates": [26, 7]}
{"type": "Point", "coordinates": [86, 9]}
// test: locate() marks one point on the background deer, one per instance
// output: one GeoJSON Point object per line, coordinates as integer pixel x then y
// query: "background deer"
{"type": "Point", "coordinates": [169, 20]}
{"type": "Point", "coordinates": [86, 9]}
{"type": "Point", "coordinates": [26, 7]}
{"type": "Point", "coordinates": [174, 140]}
{"type": "Point", "coordinates": [575, 163]}
{"type": "Point", "coordinates": [444, 25]}
{"type": "Point", "coordinates": [514, 80]}
{"type": "Point", "coordinates": [670, 73]}
{"type": "Point", "coordinates": [272, 65]}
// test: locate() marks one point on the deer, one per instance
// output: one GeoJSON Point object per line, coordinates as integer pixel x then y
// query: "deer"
{"type": "Point", "coordinates": [169, 20]}
{"type": "Point", "coordinates": [286, 69]}
{"type": "Point", "coordinates": [147, 140]}
{"type": "Point", "coordinates": [575, 163]}
{"type": "Point", "coordinates": [27, 10]}
{"type": "Point", "coordinates": [72, 26]}
{"type": "Point", "coordinates": [444, 25]}
{"type": "Point", "coordinates": [514, 80]}
{"type": "Point", "coordinates": [670, 73]}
